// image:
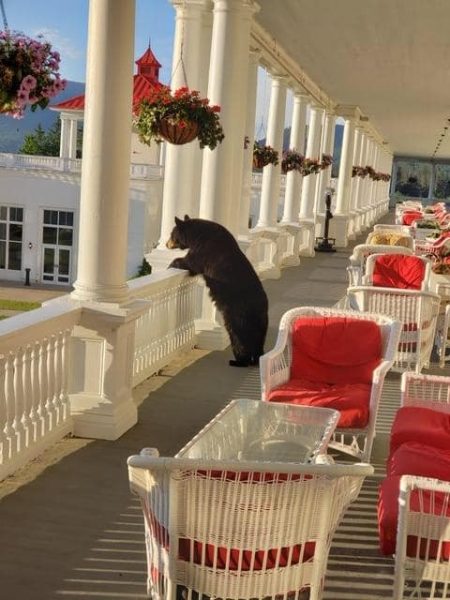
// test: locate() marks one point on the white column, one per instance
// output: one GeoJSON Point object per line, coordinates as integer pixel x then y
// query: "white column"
{"type": "Point", "coordinates": [296, 142]}
{"type": "Point", "coordinates": [222, 167]}
{"type": "Point", "coordinates": [312, 151]}
{"type": "Point", "coordinates": [327, 147]}
{"type": "Point", "coordinates": [100, 387]}
{"type": "Point", "coordinates": [183, 163]}
{"type": "Point", "coordinates": [64, 137]}
{"type": "Point", "coordinates": [73, 133]}
{"type": "Point", "coordinates": [103, 243]}
{"type": "Point", "coordinates": [360, 162]}
{"type": "Point", "coordinates": [355, 162]}
{"type": "Point", "coordinates": [345, 168]}
{"type": "Point", "coordinates": [393, 173]}
{"type": "Point", "coordinates": [249, 133]}
{"type": "Point", "coordinates": [270, 189]}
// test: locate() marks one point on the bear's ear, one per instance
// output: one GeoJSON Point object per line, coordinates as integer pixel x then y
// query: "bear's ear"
{"type": "Point", "coordinates": [186, 217]}
{"type": "Point", "coordinates": [178, 222]}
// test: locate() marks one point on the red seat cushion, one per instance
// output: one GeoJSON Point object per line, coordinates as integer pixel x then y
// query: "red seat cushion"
{"type": "Point", "coordinates": [398, 271]}
{"type": "Point", "coordinates": [235, 558]}
{"type": "Point", "coordinates": [335, 349]}
{"type": "Point", "coordinates": [414, 458]}
{"type": "Point", "coordinates": [388, 517]}
{"type": "Point", "coordinates": [352, 400]}
{"type": "Point", "coordinates": [422, 425]}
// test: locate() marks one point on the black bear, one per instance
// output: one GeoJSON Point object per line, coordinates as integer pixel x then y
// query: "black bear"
{"type": "Point", "coordinates": [233, 285]}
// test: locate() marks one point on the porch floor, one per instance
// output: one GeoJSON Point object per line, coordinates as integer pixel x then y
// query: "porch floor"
{"type": "Point", "coordinates": [69, 526]}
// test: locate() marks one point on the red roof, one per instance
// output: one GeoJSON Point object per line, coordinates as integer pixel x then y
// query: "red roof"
{"type": "Point", "coordinates": [148, 58]}
{"type": "Point", "coordinates": [144, 82]}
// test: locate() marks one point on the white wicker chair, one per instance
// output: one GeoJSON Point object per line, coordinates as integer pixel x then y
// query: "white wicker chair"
{"type": "Point", "coordinates": [360, 254]}
{"type": "Point", "coordinates": [391, 238]}
{"type": "Point", "coordinates": [367, 278]}
{"type": "Point", "coordinates": [240, 530]}
{"type": "Point", "coordinates": [417, 312]}
{"type": "Point", "coordinates": [275, 367]}
{"type": "Point", "coordinates": [394, 228]}
{"type": "Point", "coordinates": [425, 577]}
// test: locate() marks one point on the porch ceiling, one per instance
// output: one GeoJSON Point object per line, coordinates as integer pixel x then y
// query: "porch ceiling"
{"type": "Point", "coordinates": [389, 57]}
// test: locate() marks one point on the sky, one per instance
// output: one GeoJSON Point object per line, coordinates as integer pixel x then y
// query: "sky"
{"type": "Point", "coordinates": [64, 24]}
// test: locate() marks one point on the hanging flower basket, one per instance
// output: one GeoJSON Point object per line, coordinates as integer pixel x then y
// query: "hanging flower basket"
{"type": "Point", "coordinates": [263, 156]}
{"type": "Point", "coordinates": [176, 132]}
{"type": "Point", "coordinates": [291, 161]}
{"type": "Point", "coordinates": [310, 165]}
{"type": "Point", "coordinates": [359, 171]}
{"type": "Point", "coordinates": [179, 118]}
{"type": "Point", "coordinates": [327, 160]}
{"type": "Point", "coordinates": [28, 73]}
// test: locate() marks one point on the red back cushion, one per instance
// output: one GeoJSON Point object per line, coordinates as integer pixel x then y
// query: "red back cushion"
{"type": "Point", "coordinates": [410, 217]}
{"type": "Point", "coordinates": [335, 349]}
{"type": "Point", "coordinates": [421, 425]}
{"type": "Point", "coordinates": [398, 271]}
{"type": "Point", "coordinates": [414, 458]}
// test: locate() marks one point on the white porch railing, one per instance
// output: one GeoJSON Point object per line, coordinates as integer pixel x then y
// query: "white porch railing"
{"type": "Point", "coordinates": [36, 357]}
{"type": "Point", "coordinates": [168, 327]}
{"type": "Point", "coordinates": [71, 165]}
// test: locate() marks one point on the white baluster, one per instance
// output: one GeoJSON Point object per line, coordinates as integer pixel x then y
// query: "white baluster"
{"type": "Point", "coordinates": [4, 437]}
{"type": "Point", "coordinates": [26, 394]}
{"type": "Point", "coordinates": [37, 413]}
{"type": "Point", "coordinates": [10, 405]}
{"type": "Point", "coordinates": [57, 401]}
{"type": "Point", "coordinates": [50, 403]}
{"type": "Point", "coordinates": [43, 388]}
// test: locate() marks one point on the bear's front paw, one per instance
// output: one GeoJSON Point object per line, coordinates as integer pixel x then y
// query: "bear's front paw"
{"type": "Point", "coordinates": [177, 263]}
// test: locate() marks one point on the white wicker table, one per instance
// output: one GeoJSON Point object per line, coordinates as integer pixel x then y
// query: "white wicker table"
{"type": "Point", "coordinates": [252, 430]}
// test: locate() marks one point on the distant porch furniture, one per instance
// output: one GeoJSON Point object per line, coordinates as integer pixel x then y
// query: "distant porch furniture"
{"type": "Point", "coordinates": [400, 271]}
{"type": "Point", "coordinates": [417, 312]}
{"type": "Point", "coordinates": [360, 254]}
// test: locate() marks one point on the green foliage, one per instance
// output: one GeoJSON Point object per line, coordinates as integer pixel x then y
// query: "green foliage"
{"type": "Point", "coordinates": [46, 143]}
{"type": "Point", "coordinates": [144, 269]}
{"type": "Point", "coordinates": [19, 305]}
{"type": "Point", "coordinates": [41, 142]}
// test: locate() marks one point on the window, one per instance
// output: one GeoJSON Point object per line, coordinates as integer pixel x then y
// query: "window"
{"type": "Point", "coordinates": [11, 235]}
{"type": "Point", "coordinates": [58, 228]}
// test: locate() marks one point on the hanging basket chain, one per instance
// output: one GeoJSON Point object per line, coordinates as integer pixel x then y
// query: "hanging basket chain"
{"type": "Point", "coordinates": [5, 20]}
{"type": "Point", "coordinates": [180, 60]}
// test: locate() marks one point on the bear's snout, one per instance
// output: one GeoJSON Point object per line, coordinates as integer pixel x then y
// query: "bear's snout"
{"type": "Point", "coordinates": [170, 244]}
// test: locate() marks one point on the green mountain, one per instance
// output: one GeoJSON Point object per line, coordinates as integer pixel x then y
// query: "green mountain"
{"type": "Point", "coordinates": [13, 131]}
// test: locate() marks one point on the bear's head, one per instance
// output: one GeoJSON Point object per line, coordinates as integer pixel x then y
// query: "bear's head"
{"type": "Point", "coordinates": [178, 237]}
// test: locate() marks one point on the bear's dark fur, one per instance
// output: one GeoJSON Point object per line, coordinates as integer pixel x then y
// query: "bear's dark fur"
{"type": "Point", "coordinates": [233, 284]}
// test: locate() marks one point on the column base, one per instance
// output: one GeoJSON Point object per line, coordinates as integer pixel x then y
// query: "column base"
{"type": "Point", "coordinates": [290, 256]}
{"type": "Point", "coordinates": [96, 417]}
{"type": "Point", "coordinates": [339, 229]}
{"type": "Point", "coordinates": [211, 336]}
{"type": "Point", "coordinates": [268, 239]}
{"type": "Point", "coordinates": [209, 329]}
{"type": "Point", "coordinates": [307, 237]}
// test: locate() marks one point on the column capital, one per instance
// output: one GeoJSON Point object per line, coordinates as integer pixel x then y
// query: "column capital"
{"type": "Point", "coordinates": [185, 5]}
{"type": "Point", "coordinates": [249, 6]}
{"type": "Point", "coordinates": [348, 112]}
{"type": "Point", "coordinates": [277, 75]}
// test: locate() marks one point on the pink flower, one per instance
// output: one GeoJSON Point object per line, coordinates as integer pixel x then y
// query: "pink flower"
{"type": "Point", "coordinates": [28, 83]}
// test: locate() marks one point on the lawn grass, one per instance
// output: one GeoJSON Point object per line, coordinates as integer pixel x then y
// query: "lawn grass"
{"type": "Point", "coordinates": [19, 305]}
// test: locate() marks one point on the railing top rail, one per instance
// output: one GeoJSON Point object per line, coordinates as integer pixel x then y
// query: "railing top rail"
{"type": "Point", "coordinates": [71, 165]}
{"type": "Point", "coordinates": [143, 286]}
{"type": "Point", "coordinates": [26, 327]}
